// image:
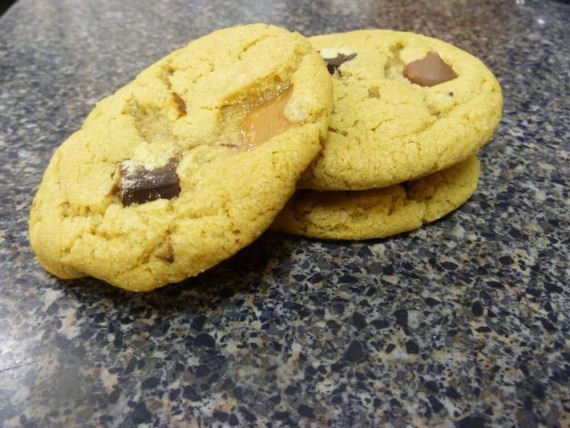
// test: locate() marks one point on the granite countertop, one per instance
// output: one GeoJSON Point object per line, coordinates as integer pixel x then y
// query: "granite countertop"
{"type": "Point", "coordinates": [464, 322]}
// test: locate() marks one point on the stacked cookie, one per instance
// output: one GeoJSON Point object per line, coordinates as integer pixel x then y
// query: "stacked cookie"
{"type": "Point", "coordinates": [197, 156]}
{"type": "Point", "coordinates": [410, 113]}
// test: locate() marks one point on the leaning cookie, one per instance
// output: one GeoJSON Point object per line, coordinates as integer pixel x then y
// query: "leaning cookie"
{"type": "Point", "coordinates": [186, 164]}
{"type": "Point", "coordinates": [379, 213]}
{"type": "Point", "coordinates": [405, 106]}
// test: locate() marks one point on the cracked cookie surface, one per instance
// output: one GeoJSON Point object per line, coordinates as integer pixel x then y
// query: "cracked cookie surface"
{"type": "Point", "coordinates": [386, 129]}
{"type": "Point", "coordinates": [379, 213]}
{"type": "Point", "coordinates": [180, 169]}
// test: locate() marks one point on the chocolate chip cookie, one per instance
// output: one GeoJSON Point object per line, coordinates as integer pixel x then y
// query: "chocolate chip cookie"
{"type": "Point", "coordinates": [379, 213]}
{"type": "Point", "coordinates": [405, 106]}
{"type": "Point", "coordinates": [185, 165]}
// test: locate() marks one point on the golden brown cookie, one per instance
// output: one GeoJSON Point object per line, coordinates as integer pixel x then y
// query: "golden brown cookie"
{"type": "Point", "coordinates": [405, 106]}
{"type": "Point", "coordinates": [185, 165]}
{"type": "Point", "coordinates": [379, 213]}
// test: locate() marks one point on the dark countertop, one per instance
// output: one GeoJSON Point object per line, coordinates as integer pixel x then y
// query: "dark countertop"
{"type": "Point", "coordinates": [465, 321]}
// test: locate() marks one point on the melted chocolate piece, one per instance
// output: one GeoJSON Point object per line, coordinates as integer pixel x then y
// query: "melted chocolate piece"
{"type": "Point", "coordinates": [429, 71]}
{"type": "Point", "coordinates": [139, 184]}
{"type": "Point", "coordinates": [334, 63]}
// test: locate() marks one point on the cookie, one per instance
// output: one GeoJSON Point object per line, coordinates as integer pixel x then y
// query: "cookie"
{"type": "Point", "coordinates": [405, 106]}
{"type": "Point", "coordinates": [379, 213]}
{"type": "Point", "coordinates": [186, 164]}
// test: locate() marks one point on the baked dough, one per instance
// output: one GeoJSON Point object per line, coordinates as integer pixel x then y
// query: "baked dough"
{"type": "Point", "coordinates": [166, 177]}
{"type": "Point", "coordinates": [385, 129]}
{"type": "Point", "coordinates": [379, 213]}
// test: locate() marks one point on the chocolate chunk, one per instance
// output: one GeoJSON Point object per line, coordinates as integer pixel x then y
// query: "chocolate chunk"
{"type": "Point", "coordinates": [334, 63]}
{"type": "Point", "coordinates": [429, 71]}
{"type": "Point", "coordinates": [165, 251]}
{"type": "Point", "coordinates": [139, 184]}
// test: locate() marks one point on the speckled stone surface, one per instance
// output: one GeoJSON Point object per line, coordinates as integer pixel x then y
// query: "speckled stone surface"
{"type": "Point", "coordinates": [462, 323]}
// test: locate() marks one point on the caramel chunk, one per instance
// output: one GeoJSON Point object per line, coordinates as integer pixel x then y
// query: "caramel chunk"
{"type": "Point", "coordinates": [429, 71]}
{"type": "Point", "coordinates": [334, 63]}
{"type": "Point", "coordinates": [266, 120]}
{"type": "Point", "coordinates": [177, 103]}
{"type": "Point", "coordinates": [139, 184]}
